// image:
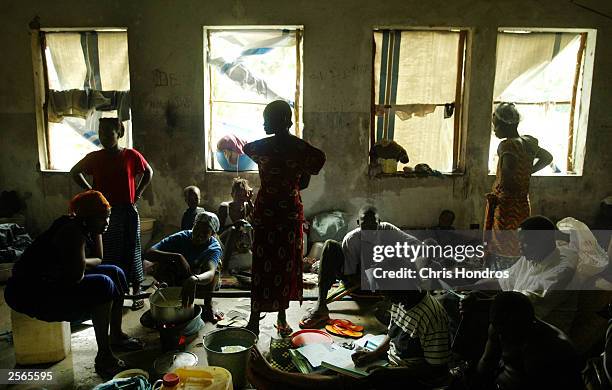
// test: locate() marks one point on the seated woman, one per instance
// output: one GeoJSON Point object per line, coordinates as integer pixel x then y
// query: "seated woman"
{"type": "Point", "coordinates": [60, 278]}
{"type": "Point", "coordinates": [240, 207]}
{"type": "Point", "coordinates": [190, 258]}
{"type": "Point", "coordinates": [236, 231]}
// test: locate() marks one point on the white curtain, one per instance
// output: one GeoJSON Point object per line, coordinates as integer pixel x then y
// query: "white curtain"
{"type": "Point", "coordinates": [426, 76]}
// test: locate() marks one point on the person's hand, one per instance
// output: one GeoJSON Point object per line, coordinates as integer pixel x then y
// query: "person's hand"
{"type": "Point", "coordinates": [361, 358]}
{"type": "Point", "coordinates": [188, 291]}
{"type": "Point", "coordinates": [182, 263]}
{"type": "Point", "coordinates": [468, 304]}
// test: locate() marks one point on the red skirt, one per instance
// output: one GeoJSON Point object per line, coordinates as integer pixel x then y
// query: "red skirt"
{"type": "Point", "coordinates": [277, 267]}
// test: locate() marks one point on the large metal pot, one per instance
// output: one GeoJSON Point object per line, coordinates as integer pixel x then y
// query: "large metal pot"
{"type": "Point", "coordinates": [167, 308]}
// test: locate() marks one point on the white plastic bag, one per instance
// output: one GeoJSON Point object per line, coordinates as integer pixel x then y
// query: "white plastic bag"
{"type": "Point", "coordinates": [592, 258]}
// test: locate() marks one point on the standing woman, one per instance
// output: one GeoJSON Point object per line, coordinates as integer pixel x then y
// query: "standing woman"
{"type": "Point", "coordinates": [508, 204]}
{"type": "Point", "coordinates": [115, 172]}
{"type": "Point", "coordinates": [285, 165]}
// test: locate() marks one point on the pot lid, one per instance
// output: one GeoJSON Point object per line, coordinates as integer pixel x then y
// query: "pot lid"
{"type": "Point", "coordinates": [170, 361]}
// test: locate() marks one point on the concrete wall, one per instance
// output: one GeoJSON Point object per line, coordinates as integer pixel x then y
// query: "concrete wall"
{"type": "Point", "coordinates": [167, 36]}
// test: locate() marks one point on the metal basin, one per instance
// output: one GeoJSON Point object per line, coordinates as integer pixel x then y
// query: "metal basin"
{"type": "Point", "coordinates": [166, 306]}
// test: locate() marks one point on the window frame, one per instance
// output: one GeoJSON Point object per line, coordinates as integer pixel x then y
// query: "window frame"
{"type": "Point", "coordinates": [580, 101]}
{"type": "Point", "coordinates": [209, 158]}
{"type": "Point", "coordinates": [41, 88]}
{"type": "Point", "coordinates": [461, 87]}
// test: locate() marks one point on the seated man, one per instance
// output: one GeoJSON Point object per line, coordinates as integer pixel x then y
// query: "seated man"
{"type": "Point", "coordinates": [60, 278]}
{"type": "Point", "coordinates": [417, 347]}
{"type": "Point", "coordinates": [190, 258]}
{"type": "Point", "coordinates": [445, 220]}
{"type": "Point", "coordinates": [542, 273]}
{"type": "Point", "coordinates": [523, 352]}
{"type": "Point", "coordinates": [343, 261]}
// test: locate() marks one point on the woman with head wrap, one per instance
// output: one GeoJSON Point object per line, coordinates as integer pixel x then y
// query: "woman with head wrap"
{"type": "Point", "coordinates": [285, 165]}
{"type": "Point", "coordinates": [60, 278]}
{"type": "Point", "coordinates": [190, 258]}
{"type": "Point", "coordinates": [508, 204]}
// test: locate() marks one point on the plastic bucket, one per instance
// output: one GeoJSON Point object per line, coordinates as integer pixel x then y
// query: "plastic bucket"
{"type": "Point", "coordinates": [234, 362]}
{"type": "Point", "coordinates": [389, 165]}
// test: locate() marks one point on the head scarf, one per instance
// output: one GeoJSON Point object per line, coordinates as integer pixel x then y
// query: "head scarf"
{"type": "Point", "coordinates": [507, 113]}
{"type": "Point", "coordinates": [88, 204]}
{"type": "Point", "coordinates": [231, 142]}
{"type": "Point", "coordinates": [208, 218]}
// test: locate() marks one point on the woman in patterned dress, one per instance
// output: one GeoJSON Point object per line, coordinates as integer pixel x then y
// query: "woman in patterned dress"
{"type": "Point", "coordinates": [508, 204]}
{"type": "Point", "coordinates": [285, 165]}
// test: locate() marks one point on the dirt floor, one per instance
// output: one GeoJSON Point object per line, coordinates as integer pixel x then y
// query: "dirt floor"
{"type": "Point", "coordinates": [77, 370]}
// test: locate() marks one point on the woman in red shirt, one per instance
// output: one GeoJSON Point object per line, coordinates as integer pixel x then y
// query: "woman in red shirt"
{"type": "Point", "coordinates": [115, 171]}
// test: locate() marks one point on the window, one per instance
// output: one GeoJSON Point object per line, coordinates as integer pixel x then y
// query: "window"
{"type": "Point", "coordinates": [247, 68]}
{"type": "Point", "coordinates": [546, 74]}
{"type": "Point", "coordinates": [418, 91]}
{"type": "Point", "coordinates": [83, 76]}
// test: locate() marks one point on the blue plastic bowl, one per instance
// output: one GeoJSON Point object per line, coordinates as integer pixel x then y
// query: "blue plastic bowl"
{"type": "Point", "coordinates": [244, 163]}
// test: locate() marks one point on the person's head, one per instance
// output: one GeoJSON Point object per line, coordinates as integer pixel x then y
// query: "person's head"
{"type": "Point", "coordinates": [205, 226]}
{"type": "Point", "coordinates": [505, 120]}
{"type": "Point", "coordinates": [92, 209]}
{"type": "Point", "coordinates": [109, 132]}
{"type": "Point", "coordinates": [277, 117]}
{"type": "Point", "coordinates": [409, 296]}
{"type": "Point", "coordinates": [446, 218]}
{"type": "Point", "coordinates": [241, 190]}
{"type": "Point", "coordinates": [192, 196]}
{"type": "Point", "coordinates": [512, 315]}
{"type": "Point", "coordinates": [537, 237]}
{"type": "Point", "coordinates": [368, 218]}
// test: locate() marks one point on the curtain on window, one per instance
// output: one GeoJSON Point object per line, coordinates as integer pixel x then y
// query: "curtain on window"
{"type": "Point", "coordinates": [248, 69]}
{"type": "Point", "coordinates": [536, 71]}
{"type": "Point", "coordinates": [415, 75]}
{"type": "Point", "coordinates": [88, 75]}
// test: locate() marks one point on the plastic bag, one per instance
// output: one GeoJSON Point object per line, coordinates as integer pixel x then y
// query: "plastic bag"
{"type": "Point", "coordinates": [329, 225]}
{"type": "Point", "coordinates": [592, 259]}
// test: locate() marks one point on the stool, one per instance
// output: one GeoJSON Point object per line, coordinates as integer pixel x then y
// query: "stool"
{"type": "Point", "coordinates": [38, 342]}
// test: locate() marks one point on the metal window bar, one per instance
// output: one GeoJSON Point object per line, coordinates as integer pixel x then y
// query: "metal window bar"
{"type": "Point", "coordinates": [571, 149]}
{"type": "Point", "coordinates": [458, 136]}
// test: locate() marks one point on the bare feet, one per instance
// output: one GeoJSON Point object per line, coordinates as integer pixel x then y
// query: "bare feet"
{"type": "Point", "coordinates": [124, 342]}
{"type": "Point", "coordinates": [253, 327]}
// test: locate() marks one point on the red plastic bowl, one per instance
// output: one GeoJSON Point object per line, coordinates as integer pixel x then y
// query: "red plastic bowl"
{"type": "Point", "coordinates": [310, 336]}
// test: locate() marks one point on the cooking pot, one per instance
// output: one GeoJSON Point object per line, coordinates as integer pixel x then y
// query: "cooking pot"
{"type": "Point", "coordinates": [167, 307]}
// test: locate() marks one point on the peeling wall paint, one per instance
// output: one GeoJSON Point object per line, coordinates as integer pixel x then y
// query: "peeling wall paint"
{"type": "Point", "coordinates": [166, 73]}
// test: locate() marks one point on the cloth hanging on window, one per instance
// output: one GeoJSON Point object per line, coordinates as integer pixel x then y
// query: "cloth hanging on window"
{"type": "Point", "coordinates": [405, 111]}
{"type": "Point", "coordinates": [79, 103]}
{"type": "Point", "coordinates": [238, 66]}
{"type": "Point", "coordinates": [535, 65]}
{"type": "Point", "coordinates": [415, 74]}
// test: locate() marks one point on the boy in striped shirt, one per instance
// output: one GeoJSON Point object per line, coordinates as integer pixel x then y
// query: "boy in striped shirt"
{"type": "Point", "coordinates": [417, 347]}
{"type": "Point", "coordinates": [417, 343]}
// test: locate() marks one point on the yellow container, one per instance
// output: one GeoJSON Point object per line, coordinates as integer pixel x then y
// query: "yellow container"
{"type": "Point", "coordinates": [38, 342]}
{"type": "Point", "coordinates": [209, 378]}
{"type": "Point", "coordinates": [389, 165]}
{"type": "Point", "coordinates": [146, 231]}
